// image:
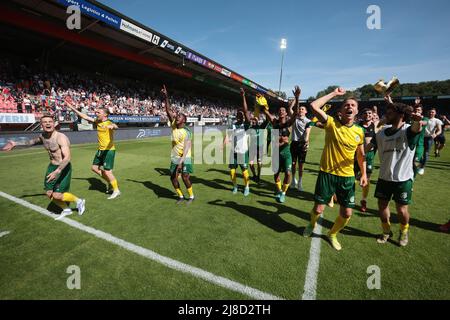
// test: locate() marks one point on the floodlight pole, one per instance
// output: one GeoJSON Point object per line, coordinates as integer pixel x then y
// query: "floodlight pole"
{"type": "Point", "coordinates": [281, 71]}
{"type": "Point", "coordinates": [283, 47]}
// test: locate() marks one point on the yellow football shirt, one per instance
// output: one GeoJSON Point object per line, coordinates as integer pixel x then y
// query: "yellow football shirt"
{"type": "Point", "coordinates": [341, 142]}
{"type": "Point", "coordinates": [178, 138]}
{"type": "Point", "coordinates": [105, 135]}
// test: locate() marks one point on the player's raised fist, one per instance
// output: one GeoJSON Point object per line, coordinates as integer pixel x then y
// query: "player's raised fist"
{"type": "Point", "coordinates": [297, 91]}
{"type": "Point", "coordinates": [416, 116]}
{"type": "Point", "coordinates": [340, 91]}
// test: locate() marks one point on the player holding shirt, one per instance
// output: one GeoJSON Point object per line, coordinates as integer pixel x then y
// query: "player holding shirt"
{"type": "Point", "coordinates": [343, 139]}
{"type": "Point", "coordinates": [181, 159]}
{"type": "Point", "coordinates": [396, 145]}
{"type": "Point", "coordinates": [103, 163]}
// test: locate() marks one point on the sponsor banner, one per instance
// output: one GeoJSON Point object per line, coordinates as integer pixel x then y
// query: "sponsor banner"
{"type": "Point", "coordinates": [226, 73]}
{"type": "Point", "coordinates": [173, 48]}
{"type": "Point", "coordinates": [211, 120]}
{"type": "Point", "coordinates": [146, 133]}
{"type": "Point", "coordinates": [17, 118]}
{"type": "Point", "coordinates": [94, 12]}
{"type": "Point", "coordinates": [139, 32]}
{"type": "Point", "coordinates": [246, 82]}
{"type": "Point", "coordinates": [236, 77]}
{"type": "Point", "coordinates": [133, 119]}
{"type": "Point", "coordinates": [190, 120]}
{"type": "Point", "coordinates": [218, 69]}
{"type": "Point", "coordinates": [196, 59]}
{"type": "Point", "coordinates": [260, 89]}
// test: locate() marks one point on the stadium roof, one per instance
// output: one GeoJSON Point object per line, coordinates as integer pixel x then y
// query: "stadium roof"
{"type": "Point", "coordinates": [113, 33]}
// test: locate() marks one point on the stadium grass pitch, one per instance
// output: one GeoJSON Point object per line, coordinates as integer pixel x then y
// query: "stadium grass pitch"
{"type": "Point", "coordinates": [253, 241]}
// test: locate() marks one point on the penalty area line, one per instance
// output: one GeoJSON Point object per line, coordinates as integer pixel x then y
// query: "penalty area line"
{"type": "Point", "coordinates": [151, 255]}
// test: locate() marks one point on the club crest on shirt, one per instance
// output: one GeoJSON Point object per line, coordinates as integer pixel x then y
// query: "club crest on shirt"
{"type": "Point", "coordinates": [357, 138]}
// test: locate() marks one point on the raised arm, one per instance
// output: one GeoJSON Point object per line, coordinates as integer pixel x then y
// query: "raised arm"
{"type": "Point", "coordinates": [296, 92]}
{"type": "Point", "coordinates": [261, 101]}
{"type": "Point", "coordinates": [70, 104]}
{"type": "Point", "coordinates": [64, 144]}
{"type": "Point", "coordinates": [244, 105]}
{"type": "Point", "coordinates": [168, 108]}
{"type": "Point", "coordinates": [29, 143]}
{"type": "Point", "coordinates": [113, 126]}
{"type": "Point", "coordinates": [417, 123]}
{"type": "Point", "coordinates": [319, 103]}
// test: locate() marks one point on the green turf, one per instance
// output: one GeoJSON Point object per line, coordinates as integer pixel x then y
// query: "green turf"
{"type": "Point", "coordinates": [253, 240]}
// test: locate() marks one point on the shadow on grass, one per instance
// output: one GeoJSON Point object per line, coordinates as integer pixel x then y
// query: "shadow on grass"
{"type": "Point", "coordinates": [94, 184]}
{"type": "Point", "coordinates": [160, 192]}
{"type": "Point", "coordinates": [52, 207]}
{"type": "Point", "coordinates": [33, 195]}
{"type": "Point", "coordinates": [348, 230]}
{"type": "Point", "coordinates": [163, 171]}
{"type": "Point", "coordinates": [222, 171]}
{"type": "Point", "coordinates": [267, 218]}
{"type": "Point", "coordinates": [425, 225]}
{"type": "Point", "coordinates": [438, 163]}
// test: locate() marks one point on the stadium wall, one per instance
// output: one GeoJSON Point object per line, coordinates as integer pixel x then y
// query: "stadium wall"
{"type": "Point", "coordinates": [81, 137]}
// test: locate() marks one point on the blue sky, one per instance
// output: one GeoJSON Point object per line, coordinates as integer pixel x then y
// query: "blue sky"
{"type": "Point", "coordinates": [328, 41]}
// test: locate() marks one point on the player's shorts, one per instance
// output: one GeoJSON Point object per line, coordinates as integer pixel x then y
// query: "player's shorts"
{"type": "Point", "coordinates": [420, 150]}
{"type": "Point", "coordinates": [329, 184]}
{"type": "Point", "coordinates": [187, 167]}
{"type": "Point", "coordinates": [60, 184]}
{"type": "Point", "coordinates": [239, 159]}
{"type": "Point", "coordinates": [284, 159]}
{"type": "Point", "coordinates": [298, 151]}
{"type": "Point", "coordinates": [256, 152]}
{"type": "Point", "coordinates": [440, 139]}
{"type": "Point", "coordinates": [105, 158]}
{"type": "Point", "coordinates": [400, 192]}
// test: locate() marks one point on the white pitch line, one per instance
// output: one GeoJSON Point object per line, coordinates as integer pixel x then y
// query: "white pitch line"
{"type": "Point", "coordinates": [168, 262]}
{"type": "Point", "coordinates": [312, 271]}
{"type": "Point", "coordinates": [4, 233]}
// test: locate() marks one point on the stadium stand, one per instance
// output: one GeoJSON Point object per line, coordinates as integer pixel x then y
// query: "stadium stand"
{"type": "Point", "coordinates": [26, 90]}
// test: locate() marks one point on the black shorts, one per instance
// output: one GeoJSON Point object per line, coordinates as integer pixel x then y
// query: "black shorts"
{"type": "Point", "coordinates": [298, 151]}
{"type": "Point", "coordinates": [440, 139]}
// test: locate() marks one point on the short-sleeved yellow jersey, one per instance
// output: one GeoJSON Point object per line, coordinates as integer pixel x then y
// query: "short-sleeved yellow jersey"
{"type": "Point", "coordinates": [178, 141]}
{"type": "Point", "coordinates": [105, 135]}
{"type": "Point", "coordinates": [341, 142]}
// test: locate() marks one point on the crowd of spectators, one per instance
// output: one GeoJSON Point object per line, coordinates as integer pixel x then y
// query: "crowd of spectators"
{"type": "Point", "coordinates": [26, 91]}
